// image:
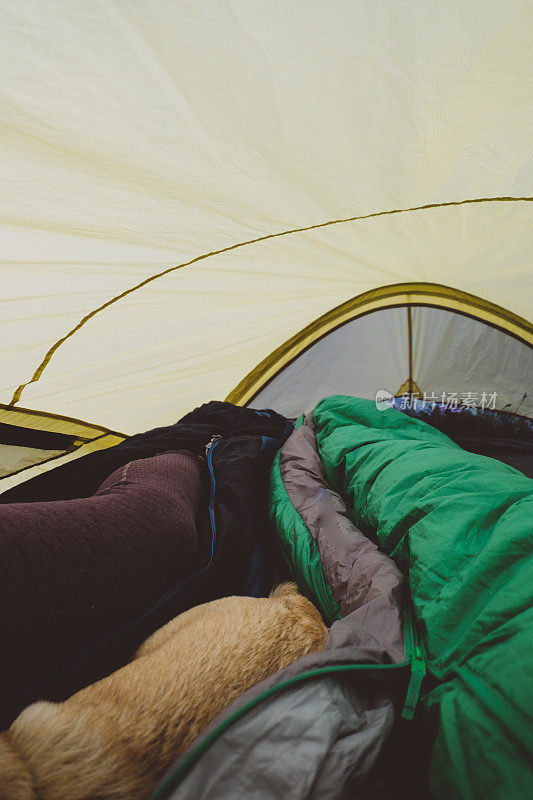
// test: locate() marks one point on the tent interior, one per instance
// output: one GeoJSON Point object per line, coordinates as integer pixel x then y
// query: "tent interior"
{"type": "Point", "coordinates": [268, 203]}
{"type": "Point", "coordinates": [222, 177]}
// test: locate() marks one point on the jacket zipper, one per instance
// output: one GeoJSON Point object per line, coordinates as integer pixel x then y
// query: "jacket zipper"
{"type": "Point", "coordinates": [210, 446]}
{"type": "Point", "coordinates": [212, 442]}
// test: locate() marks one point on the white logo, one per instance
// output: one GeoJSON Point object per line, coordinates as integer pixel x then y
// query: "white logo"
{"type": "Point", "coordinates": [384, 400]}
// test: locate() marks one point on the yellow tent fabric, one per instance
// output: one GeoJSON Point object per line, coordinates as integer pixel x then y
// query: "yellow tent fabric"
{"type": "Point", "coordinates": [187, 185]}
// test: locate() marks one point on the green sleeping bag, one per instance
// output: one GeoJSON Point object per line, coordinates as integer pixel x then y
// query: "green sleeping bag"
{"type": "Point", "coordinates": [460, 526]}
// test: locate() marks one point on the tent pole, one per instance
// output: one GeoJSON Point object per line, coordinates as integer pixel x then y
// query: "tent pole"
{"type": "Point", "coordinates": [410, 350]}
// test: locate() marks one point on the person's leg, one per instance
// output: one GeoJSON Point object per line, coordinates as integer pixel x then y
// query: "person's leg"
{"type": "Point", "coordinates": [72, 572]}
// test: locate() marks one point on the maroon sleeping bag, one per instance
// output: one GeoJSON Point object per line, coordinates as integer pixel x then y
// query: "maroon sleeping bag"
{"type": "Point", "coordinates": [73, 571]}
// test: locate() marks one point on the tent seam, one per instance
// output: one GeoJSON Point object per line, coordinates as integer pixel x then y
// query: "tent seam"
{"type": "Point", "coordinates": [47, 358]}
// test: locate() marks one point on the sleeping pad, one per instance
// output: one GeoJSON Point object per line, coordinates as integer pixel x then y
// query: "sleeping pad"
{"type": "Point", "coordinates": [98, 554]}
{"type": "Point", "coordinates": [422, 690]}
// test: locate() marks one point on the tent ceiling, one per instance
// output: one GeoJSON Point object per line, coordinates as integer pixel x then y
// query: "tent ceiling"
{"type": "Point", "coordinates": [137, 137]}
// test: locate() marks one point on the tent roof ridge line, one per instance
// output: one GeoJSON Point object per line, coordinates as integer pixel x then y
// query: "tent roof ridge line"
{"type": "Point", "coordinates": [53, 349]}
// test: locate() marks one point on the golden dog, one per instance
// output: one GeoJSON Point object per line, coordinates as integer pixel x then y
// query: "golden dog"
{"type": "Point", "coordinates": [114, 739]}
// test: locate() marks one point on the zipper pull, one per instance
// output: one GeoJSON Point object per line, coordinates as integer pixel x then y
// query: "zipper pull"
{"type": "Point", "coordinates": [214, 439]}
{"type": "Point", "coordinates": [418, 673]}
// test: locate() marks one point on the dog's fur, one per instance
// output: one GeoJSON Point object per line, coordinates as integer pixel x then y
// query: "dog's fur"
{"type": "Point", "coordinates": [115, 739]}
